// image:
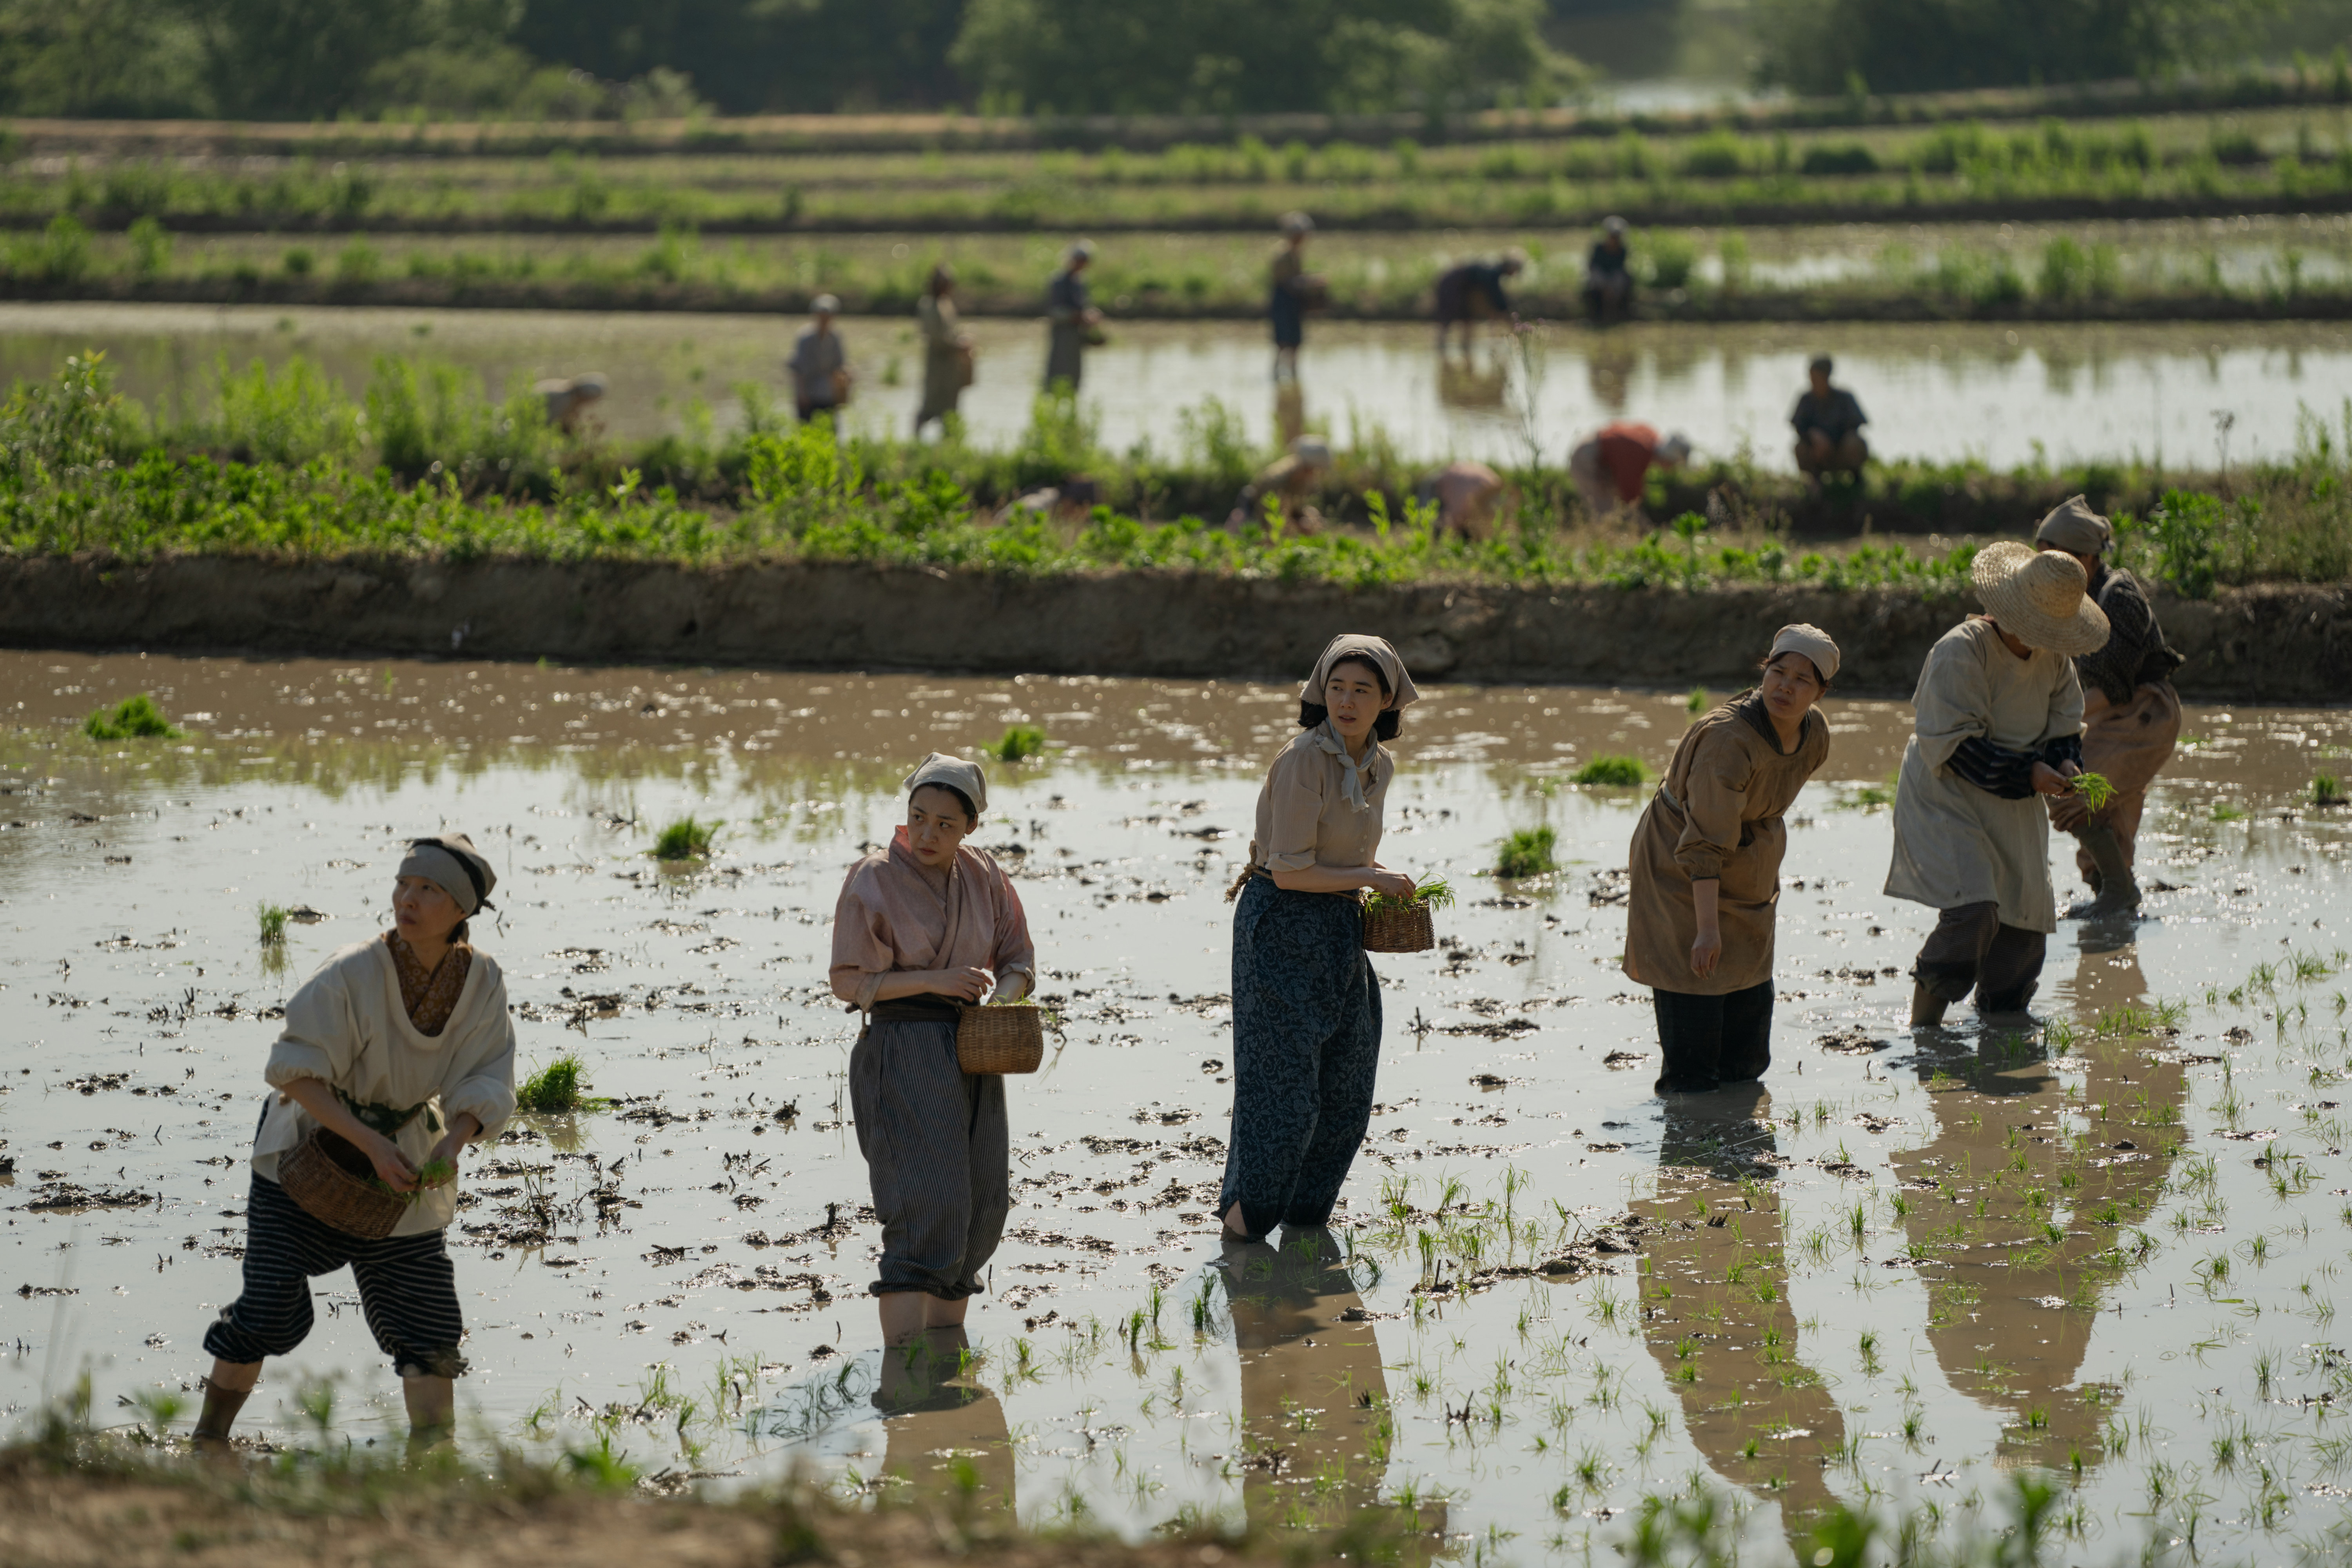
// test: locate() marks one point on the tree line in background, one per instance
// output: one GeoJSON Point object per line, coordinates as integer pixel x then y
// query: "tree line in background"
{"type": "Point", "coordinates": [310, 59]}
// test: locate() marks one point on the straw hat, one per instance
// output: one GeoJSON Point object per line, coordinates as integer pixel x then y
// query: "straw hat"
{"type": "Point", "coordinates": [2037, 596]}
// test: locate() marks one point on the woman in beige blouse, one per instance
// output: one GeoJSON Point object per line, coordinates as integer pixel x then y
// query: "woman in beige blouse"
{"type": "Point", "coordinates": [1706, 866]}
{"type": "Point", "coordinates": [926, 924]}
{"type": "Point", "coordinates": [1306, 1006]}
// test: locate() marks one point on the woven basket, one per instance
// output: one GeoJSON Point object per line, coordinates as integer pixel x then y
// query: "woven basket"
{"type": "Point", "coordinates": [336, 1186]}
{"type": "Point", "coordinates": [1392, 928]}
{"type": "Point", "coordinates": [1008, 1037]}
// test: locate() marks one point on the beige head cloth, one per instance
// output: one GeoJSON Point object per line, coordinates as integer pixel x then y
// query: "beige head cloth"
{"type": "Point", "coordinates": [1810, 641]}
{"type": "Point", "coordinates": [940, 768]}
{"type": "Point", "coordinates": [451, 863]}
{"type": "Point", "coordinates": [2074, 527]}
{"type": "Point", "coordinates": [2037, 596]}
{"type": "Point", "coordinates": [1377, 649]}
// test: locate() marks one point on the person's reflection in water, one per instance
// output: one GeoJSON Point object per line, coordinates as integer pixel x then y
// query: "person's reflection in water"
{"type": "Point", "coordinates": [1609, 369]}
{"type": "Point", "coordinates": [2024, 1206]}
{"type": "Point", "coordinates": [1715, 1302]}
{"type": "Point", "coordinates": [1473, 383]}
{"type": "Point", "coordinates": [948, 1440]}
{"type": "Point", "coordinates": [1289, 412]}
{"type": "Point", "coordinates": [1314, 1416]}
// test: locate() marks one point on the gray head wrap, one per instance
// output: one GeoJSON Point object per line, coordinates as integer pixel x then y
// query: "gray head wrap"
{"type": "Point", "coordinates": [1355, 645]}
{"type": "Point", "coordinates": [1810, 641]}
{"type": "Point", "coordinates": [2075, 527]}
{"type": "Point", "coordinates": [451, 863]}
{"type": "Point", "coordinates": [940, 768]}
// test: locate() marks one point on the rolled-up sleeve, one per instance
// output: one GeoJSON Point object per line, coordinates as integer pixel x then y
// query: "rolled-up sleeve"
{"type": "Point", "coordinates": [863, 951]}
{"type": "Point", "coordinates": [1715, 802]}
{"type": "Point", "coordinates": [321, 1037]}
{"type": "Point", "coordinates": [1294, 789]}
{"type": "Point", "coordinates": [483, 1069]}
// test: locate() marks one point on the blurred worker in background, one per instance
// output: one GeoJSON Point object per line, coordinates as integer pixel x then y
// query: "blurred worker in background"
{"type": "Point", "coordinates": [1829, 422]}
{"type": "Point", "coordinates": [1608, 276]}
{"type": "Point", "coordinates": [1295, 292]}
{"type": "Point", "coordinates": [1474, 291]}
{"type": "Point", "coordinates": [820, 363]}
{"type": "Point", "coordinates": [1611, 467]}
{"type": "Point", "coordinates": [1073, 323]}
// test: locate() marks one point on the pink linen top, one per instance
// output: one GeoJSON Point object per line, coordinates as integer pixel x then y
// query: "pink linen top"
{"type": "Point", "coordinates": [895, 915]}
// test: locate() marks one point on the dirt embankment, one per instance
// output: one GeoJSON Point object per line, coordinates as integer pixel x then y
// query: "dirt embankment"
{"type": "Point", "coordinates": [2286, 644]}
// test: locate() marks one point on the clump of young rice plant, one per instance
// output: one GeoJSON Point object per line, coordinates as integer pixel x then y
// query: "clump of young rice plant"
{"type": "Point", "coordinates": [685, 840]}
{"type": "Point", "coordinates": [556, 1090]}
{"type": "Point", "coordinates": [134, 718]}
{"type": "Point", "coordinates": [1528, 853]}
{"type": "Point", "coordinates": [1614, 772]}
{"type": "Point", "coordinates": [1018, 744]}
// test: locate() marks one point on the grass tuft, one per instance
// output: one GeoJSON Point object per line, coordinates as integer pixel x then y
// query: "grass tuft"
{"type": "Point", "coordinates": [1528, 853]}
{"type": "Point", "coordinates": [2326, 789]}
{"type": "Point", "coordinates": [556, 1090]}
{"type": "Point", "coordinates": [273, 925]}
{"type": "Point", "coordinates": [1614, 771]}
{"type": "Point", "coordinates": [1697, 702]}
{"type": "Point", "coordinates": [134, 718]}
{"type": "Point", "coordinates": [685, 840]}
{"type": "Point", "coordinates": [1018, 744]}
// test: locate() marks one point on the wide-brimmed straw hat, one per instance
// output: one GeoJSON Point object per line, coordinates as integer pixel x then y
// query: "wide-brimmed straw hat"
{"type": "Point", "coordinates": [2038, 597]}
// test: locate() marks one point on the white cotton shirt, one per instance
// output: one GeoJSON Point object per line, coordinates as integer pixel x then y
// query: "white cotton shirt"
{"type": "Point", "coordinates": [347, 1025]}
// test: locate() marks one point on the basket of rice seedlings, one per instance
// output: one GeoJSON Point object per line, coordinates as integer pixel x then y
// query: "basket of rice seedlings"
{"type": "Point", "coordinates": [1394, 924]}
{"type": "Point", "coordinates": [336, 1186]}
{"type": "Point", "coordinates": [1000, 1038]}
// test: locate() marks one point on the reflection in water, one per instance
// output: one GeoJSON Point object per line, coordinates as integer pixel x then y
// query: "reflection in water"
{"type": "Point", "coordinates": [948, 1441]}
{"type": "Point", "coordinates": [1715, 1302]}
{"type": "Point", "coordinates": [2022, 1207]}
{"type": "Point", "coordinates": [1315, 1409]}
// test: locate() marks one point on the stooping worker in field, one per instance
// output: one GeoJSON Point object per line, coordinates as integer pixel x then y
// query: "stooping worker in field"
{"type": "Point", "coordinates": [1464, 493]}
{"type": "Point", "coordinates": [1291, 480]}
{"type": "Point", "coordinates": [1306, 1006]}
{"type": "Point", "coordinates": [820, 363]}
{"type": "Point", "coordinates": [1294, 292]}
{"type": "Point", "coordinates": [1609, 276]}
{"type": "Point", "coordinates": [1611, 467]}
{"type": "Point", "coordinates": [2131, 714]}
{"type": "Point", "coordinates": [925, 924]}
{"type": "Point", "coordinates": [1828, 421]}
{"type": "Point", "coordinates": [1072, 320]}
{"type": "Point", "coordinates": [1705, 868]}
{"type": "Point", "coordinates": [1999, 720]}
{"type": "Point", "coordinates": [947, 349]}
{"type": "Point", "coordinates": [1474, 291]}
{"type": "Point", "coordinates": [398, 1053]}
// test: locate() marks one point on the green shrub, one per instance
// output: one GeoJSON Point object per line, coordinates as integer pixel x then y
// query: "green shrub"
{"type": "Point", "coordinates": [151, 248]}
{"type": "Point", "coordinates": [1018, 744]}
{"type": "Point", "coordinates": [1839, 158]}
{"type": "Point", "coordinates": [685, 840]}
{"type": "Point", "coordinates": [1672, 258]}
{"type": "Point", "coordinates": [1528, 852]}
{"type": "Point", "coordinates": [1614, 771]}
{"type": "Point", "coordinates": [556, 1090]}
{"type": "Point", "coordinates": [132, 718]}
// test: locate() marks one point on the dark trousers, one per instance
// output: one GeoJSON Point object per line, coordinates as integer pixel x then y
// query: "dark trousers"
{"type": "Point", "coordinates": [1306, 1054]}
{"type": "Point", "coordinates": [1707, 1041]}
{"type": "Point", "coordinates": [936, 1144]}
{"type": "Point", "coordinates": [408, 1289]}
{"type": "Point", "coordinates": [1971, 950]}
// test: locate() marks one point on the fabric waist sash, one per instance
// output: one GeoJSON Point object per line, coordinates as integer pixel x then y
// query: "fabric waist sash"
{"type": "Point", "coordinates": [918, 1010]}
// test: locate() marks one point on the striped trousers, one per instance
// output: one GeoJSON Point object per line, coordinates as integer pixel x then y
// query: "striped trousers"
{"type": "Point", "coordinates": [408, 1290]}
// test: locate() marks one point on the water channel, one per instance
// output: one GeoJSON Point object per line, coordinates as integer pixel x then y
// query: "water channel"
{"type": "Point", "coordinates": [1916, 1266]}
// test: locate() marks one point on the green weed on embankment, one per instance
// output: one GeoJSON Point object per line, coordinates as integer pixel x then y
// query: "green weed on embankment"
{"type": "Point", "coordinates": [289, 469]}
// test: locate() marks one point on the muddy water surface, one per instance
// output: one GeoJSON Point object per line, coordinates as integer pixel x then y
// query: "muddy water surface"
{"type": "Point", "coordinates": [2104, 1248]}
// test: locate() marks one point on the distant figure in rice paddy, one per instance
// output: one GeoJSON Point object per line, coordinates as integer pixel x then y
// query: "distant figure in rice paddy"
{"type": "Point", "coordinates": [1292, 479]}
{"type": "Point", "coordinates": [1464, 494]}
{"type": "Point", "coordinates": [948, 357]}
{"type": "Point", "coordinates": [2131, 714]}
{"type": "Point", "coordinates": [1610, 468]}
{"type": "Point", "coordinates": [1475, 292]}
{"type": "Point", "coordinates": [569, 398]}
{"type": "Point", "coordinates": [1609, 276]}
{"type": "Point", "coordinates": [820, 363]}
{"type": "Point", "coordinates": [1828, 421]}
{"type": "Point", "coordinates": [1294, 292]}
{"type": "Point", "coordinates": [1072, 321]}
{"type": "Point", "coordinates": [1706, 866]}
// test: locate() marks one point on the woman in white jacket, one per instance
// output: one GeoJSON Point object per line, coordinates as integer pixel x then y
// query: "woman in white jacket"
{"type": "Point", "coordinates": [402, 1046]}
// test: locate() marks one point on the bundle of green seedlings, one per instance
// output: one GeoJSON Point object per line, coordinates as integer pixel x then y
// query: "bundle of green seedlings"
{"type": "Point", "coordinates": [1430, 892]}
{"type": "Point", "coordinates": [2095, 789]}
{"type": "Point", "coordinates": [559, 1088]}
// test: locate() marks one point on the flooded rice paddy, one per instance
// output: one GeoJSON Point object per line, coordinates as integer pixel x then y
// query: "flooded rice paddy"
{"type": "Point", "coordinates": [2007, 394]}
{"type": "Point", "coordinates": [2104, 1248]}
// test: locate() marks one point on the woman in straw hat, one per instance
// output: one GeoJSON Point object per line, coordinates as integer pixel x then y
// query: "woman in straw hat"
{"type": "Point", "coordinates": [2131, 714]}
{"type": "Point", "coordinates": [402, 1046]}
{"type": "Point", "coordinates": [1706, 867]}
{"type": "Point", "coordinates": [1306, 1006]}
{"type": "Point", "coordinates": [1999, 720]}
{"type": "Point", "coordinates": [926, 924]}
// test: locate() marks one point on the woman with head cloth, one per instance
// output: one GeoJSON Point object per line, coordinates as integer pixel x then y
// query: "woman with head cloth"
{"type": "Point", "coordinates": [1306, 1006]}
{"type": "Point", "coordinates": [2131, 714]}
{"type": "Point", "coordinates": [401, 1045]}
{"type": "Point", "coordinates": [925, 925]}
{"type": "Point", "coordinates": [947, 349]}
{"type": "Point", "coordinates": [1999, 720]}
{"type": "Point", "coordinates": [1707, 867]}
{"type": "Point", "coordinates": [1070, 319]}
